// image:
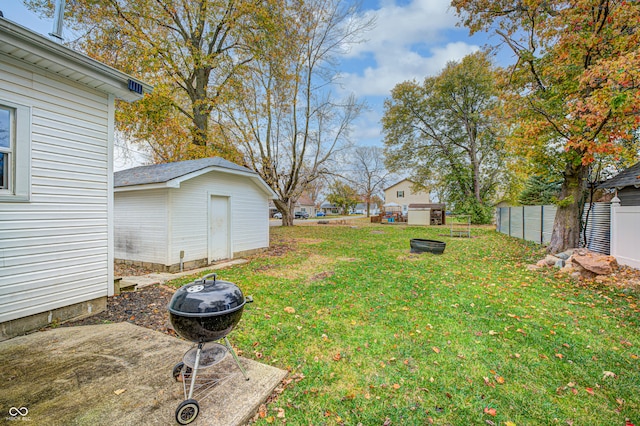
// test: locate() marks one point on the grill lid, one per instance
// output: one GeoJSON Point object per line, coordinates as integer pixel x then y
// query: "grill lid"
{"type": "Point", "coordinates": [205, 298]}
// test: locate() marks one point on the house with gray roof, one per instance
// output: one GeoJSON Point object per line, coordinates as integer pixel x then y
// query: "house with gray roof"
{"type": "Point", "coordinates": [189, 214]}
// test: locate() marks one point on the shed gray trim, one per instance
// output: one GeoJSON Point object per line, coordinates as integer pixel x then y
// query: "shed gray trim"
{"type": "Point", "coordinates": [161, 173]}
{"type": "Point", "coordinates": [627, 177]}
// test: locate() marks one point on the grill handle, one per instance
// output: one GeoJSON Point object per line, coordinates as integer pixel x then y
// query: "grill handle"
{"type": "Point", "coordinates": [214, 275]}
{"type": "Point", "coordinates": [248, 299]}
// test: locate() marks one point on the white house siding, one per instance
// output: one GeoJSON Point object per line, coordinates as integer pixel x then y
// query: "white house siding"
{"type": "Point", "coordinates": [189, 209]}
{"type": "Point", "coordinates": [141, 225]}
{"type": "Point", "coordinates": [391, 195]}
{"type": "Point", "coordinates": [54, 249]}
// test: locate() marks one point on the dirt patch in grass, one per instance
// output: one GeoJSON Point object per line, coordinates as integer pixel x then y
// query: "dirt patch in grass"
{"type": "Point", "coordinates": [308, 241]}
{"type": "Point", "coordinates": [321, 276]}
{"type": "Point", "coordinates": [312, 265]}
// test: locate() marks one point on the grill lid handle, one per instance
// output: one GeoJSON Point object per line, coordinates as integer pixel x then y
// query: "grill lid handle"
{"type": "Point", "coordinates": [203, 279]}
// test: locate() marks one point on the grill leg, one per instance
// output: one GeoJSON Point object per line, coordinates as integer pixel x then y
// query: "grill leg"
{"type": "Point", "coordinates": [195, 370]}
{"type": "Point", "coordinates": [244, 373]}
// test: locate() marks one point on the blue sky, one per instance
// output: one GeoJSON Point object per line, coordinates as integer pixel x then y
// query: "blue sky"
{"type": "Point", "coordinates": [412, 39]}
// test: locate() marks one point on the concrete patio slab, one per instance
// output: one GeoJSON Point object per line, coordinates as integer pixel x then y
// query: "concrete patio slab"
{"type": "Point", "coordinates": [119, 374]}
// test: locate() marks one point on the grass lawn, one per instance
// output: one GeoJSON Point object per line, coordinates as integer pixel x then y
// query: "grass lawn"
{"type": "Point", "coordinates": [374, 335]}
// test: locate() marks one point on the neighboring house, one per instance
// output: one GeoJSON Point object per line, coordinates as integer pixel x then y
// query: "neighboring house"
{"type": "Point", "coordinates": [402, 193]}
{"type": "Point", "coordinates": [328, 208]}
{"type": "Point", "coordinates": [305, 204]}
{"type": "Point", "coordinates": [189, 213]}
{"type": "Point", "coordinates": [56, 162]}
{"type": "Point", "coordinates": [361, 208]}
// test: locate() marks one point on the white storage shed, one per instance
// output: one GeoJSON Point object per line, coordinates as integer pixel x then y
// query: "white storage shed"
{"type": "Point", "coordinates": [189, 213]}
{"type": "Point", "coordinates": [56, 162]}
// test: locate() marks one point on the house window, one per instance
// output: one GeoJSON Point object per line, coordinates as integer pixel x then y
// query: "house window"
{"type": "Point", "coordinates": [400, 194]}
{"type": "Point", "coordinates": [15, 152]}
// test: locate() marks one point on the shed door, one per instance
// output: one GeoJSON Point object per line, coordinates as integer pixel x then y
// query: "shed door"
{"type": "Point", "coordinates": [218, 228]}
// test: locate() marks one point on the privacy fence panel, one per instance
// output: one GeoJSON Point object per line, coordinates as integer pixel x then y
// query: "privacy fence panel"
{"type": "Point", "coordinates": [532, 223]}
{"type": "Point", "coordinates": [609, 229]}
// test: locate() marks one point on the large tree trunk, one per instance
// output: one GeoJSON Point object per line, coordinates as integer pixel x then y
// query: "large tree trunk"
{"type": "Point", "coordinates": [285, 207]}
{"type": "Point", "coordinates": [566, 226]}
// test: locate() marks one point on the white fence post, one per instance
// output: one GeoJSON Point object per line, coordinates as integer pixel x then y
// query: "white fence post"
{"type": "Point", "coordinates": [613, 233]}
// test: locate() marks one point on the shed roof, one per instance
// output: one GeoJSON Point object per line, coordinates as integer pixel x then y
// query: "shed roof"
{"type": "Point", "coordinates": [28, 47]}
{"type": "Point", "coordinates": [627, 177]}
{"type": "Point", "coordinates": [172, 174]}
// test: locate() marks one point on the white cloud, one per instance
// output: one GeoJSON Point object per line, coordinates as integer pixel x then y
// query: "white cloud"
{"type": "Point", "coordinates": [419, 22]}
{"type": "Point", "coordinates": [396, 66]}
{"type": "Point", "coordinates": [408, 42]}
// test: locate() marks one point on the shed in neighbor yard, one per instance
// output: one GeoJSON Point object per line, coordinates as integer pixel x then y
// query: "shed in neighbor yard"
{"type": "Point", "coordinates": [626, 185]}
{"type": "Point", "coordinates": [189, 213]}
{"type": "Point", "coordinates": [56, 166]}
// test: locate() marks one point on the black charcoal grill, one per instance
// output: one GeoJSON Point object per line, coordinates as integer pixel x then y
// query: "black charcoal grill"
{"type": "Point", "coordinates": [203, 312]}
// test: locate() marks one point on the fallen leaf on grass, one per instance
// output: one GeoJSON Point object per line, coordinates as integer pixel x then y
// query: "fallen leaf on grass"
{"type": "Point", "coordinates": [509, 423]}
{"type": "Point", "coordinates": [500, 380]}
{"type": "Point", "coordinates": [280, 414]}
{"type": "Point", "coordinates": [490, 411]}
{"type": "Point", "coordinates": [436, 350]}
{"type": "Point", "coordinates": [337, 357]}
{"type": "Point", "coordinates": [119, 391]}
{"type": "Point", "coordinates": [289, 310]}
{"type": "Point", "coordinates": [396, 386]}
{"type": "Point", "coordinates": [590, 391]}
{"type": "Point", "coordinates": [609, 374]}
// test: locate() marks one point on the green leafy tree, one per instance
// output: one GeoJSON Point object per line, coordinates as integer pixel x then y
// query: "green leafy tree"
{"type": "Point", "coordinates": [444, 131]}
{"type": "Point", "coordinates": [343, 196]}
{"type": "Point", "coordinates": [575, 87]}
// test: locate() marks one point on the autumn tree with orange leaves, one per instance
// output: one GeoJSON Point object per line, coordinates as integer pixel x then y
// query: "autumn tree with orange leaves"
{"type": "Point", "coordinates": [574, 93]}
{"type": "Point", "coordinates": [189, 50]}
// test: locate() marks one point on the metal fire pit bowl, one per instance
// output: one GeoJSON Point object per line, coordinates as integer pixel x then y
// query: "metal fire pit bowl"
{"type": "Point", "coordinates": [419, 245]}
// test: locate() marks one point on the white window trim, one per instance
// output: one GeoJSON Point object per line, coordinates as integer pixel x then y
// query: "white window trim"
{"type": "Point", "coordinates": [20, 179]}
